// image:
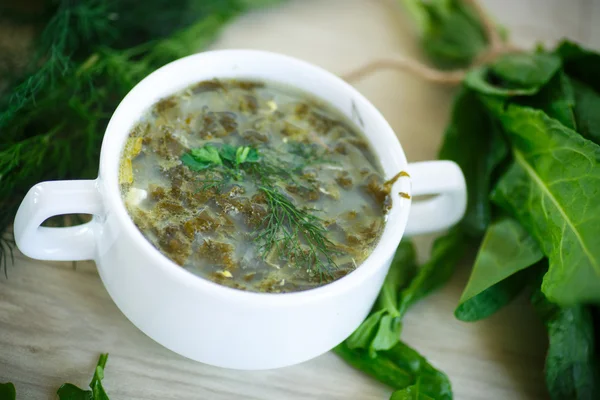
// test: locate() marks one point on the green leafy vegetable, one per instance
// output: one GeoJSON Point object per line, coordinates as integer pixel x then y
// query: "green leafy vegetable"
{"type": "Point", "coordinates": [519, 74]}
{"type": "Point", "coordinates": [7, 391]}
{"type": "Point", "coordinates": [477, 79]}
{"type": "Point", "coordinates": [411, 393]}
{"type": "Point", "coordinates": [540, 106]}
{"type": "Point", "coordinates": [69, 391]}
{"type": "Point", "coordinates": [580, 63]}
{"type": "Point", "coordinates": [446, 253]}
{"type": "Point", "coordinates": [449, 31]}
{"type": "Point", "coordinates": [572, 366]}
{"type": "Point", "coordinates": [246, 155]}
{"type": "Point", "coordinates": [402, 270]}
{"type": "Point", "coordinates": [556, 99]}
{"type": "Point", "coordinates": [587, 104]}
{"type": "Point", "coordinates": [506, 249]}
{"type": "Point", "coordinates": [471, 127]}
{"type": "Point", "coordinates": [552, 188]}
{"type": "Point", "coordinates": [491, 299]}
{"type": "Point", "coordinates": [381, 330]}
{"type": "Point", "coordinates": [363, 336]}
{"type": "Point", "coordinates": [526, 69]}
{"type": "Point", "coordinates": [400, 367]}
{"type": "Point", "coordinates": [375, 347]}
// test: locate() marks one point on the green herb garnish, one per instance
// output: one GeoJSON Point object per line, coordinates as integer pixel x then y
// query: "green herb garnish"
{"type": "Point", "coordinates": [289, 233]}
{"type": "Point", "coordinates": [295, 234]}
{"type": "Point", "coordinates": [375, 347]}
{"type": "Point", "coordinates": [206, 156]}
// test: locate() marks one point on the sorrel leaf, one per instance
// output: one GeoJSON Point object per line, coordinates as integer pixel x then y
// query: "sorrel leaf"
{"type": "Point", "coordinates": [7, 391]}
{"type": "Point", "coordinates": [492, 299]}
{"type": "Point", "coordinates": [449, 31]}
{"type": "Point", "coordinates": [557, 99]}
{"type": "Point", "coordinates": [506, 249]}
{"type": "Point", "coordinates": [572, 367]}
{"type": "Point", "coordinates": [69, 391]}
{"type": "Point", "coordinates": [362, 337]}
{"type": "Point", "coordinates": [402, 271]}
{"type": "Point", "coordinates": [587, 111]}
{"type": "Point", "coordinates": [472, 128]}
{"type": "Point", "coordinates": [525, 70]}
{"type": "Point", "coordinates": [400, 367]}
{"type": "Point", "coordinates": [446, 253]}
{"type": "Point", "coordinates": [552, 189]}
{"type": "Point", "coordinates": [520, 74]}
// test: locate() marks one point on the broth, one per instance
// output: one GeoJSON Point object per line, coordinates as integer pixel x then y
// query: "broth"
{"type": "Point", "coordinates": [254, 185]}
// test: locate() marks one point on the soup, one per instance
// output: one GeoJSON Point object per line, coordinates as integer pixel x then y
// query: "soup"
{"type": "Point", "coordinates": [254, 185]}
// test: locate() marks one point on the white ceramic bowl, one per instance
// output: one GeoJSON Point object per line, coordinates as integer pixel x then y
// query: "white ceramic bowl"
{"type": "Point", "coordinates": [200, 319]}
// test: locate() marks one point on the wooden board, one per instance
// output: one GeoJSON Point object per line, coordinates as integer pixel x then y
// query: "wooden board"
{"type": "Point", "coordinates": [54, 320]}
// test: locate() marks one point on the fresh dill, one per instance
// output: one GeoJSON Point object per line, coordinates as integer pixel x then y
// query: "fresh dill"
{"type": "Point", "coordinates": [89, 54]}
{"type": "Point", "coordinates": [295, 234]}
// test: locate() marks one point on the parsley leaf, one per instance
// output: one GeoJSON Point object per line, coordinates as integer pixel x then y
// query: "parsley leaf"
{"type": "Point", "coordinates": [228, 152]}
{"type": "Point", "coordinates": [246, 154]}
{"type": "Point", "coordinates": [208, 154]}
{"type": "Point", "coordinates": [189, 161]}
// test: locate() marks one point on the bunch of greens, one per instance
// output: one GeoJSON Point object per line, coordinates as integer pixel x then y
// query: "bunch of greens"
{"type": "Point", "coordinates": [375, 347]}
{"type": "Point", "coordinates": [68, 391]}
{"type": "Point", "coordinates": [531, 123]}
{"type": "Point", "coordinates": [453, 37]}
{"type": "Point", "coordinates": [89, 54]}
{"type": "Point", "coordinates": [525, 129]}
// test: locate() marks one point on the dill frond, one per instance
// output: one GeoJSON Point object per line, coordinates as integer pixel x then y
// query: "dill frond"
{"type": "Point", "coordinates": [72, 24]}
{"type": "Point", "coordinates": [295, 234]}
{"type": "Point", "coordinates": [88, 56]}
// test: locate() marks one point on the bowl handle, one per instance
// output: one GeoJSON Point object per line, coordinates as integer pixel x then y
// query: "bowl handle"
{"type": "Point", "coordinates": [445, 181]}
{"type": "Point", "coordinates": [48, 199]}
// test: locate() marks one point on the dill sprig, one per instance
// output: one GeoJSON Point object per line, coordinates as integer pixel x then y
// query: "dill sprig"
{"type": "Point", "coordinates": [295, 234]}
{"type": "Point", "coordinates": [88, 56]}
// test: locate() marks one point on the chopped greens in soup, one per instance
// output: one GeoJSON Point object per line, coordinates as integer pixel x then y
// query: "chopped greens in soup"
{"type": "Point", "coordinates": [254, 185]}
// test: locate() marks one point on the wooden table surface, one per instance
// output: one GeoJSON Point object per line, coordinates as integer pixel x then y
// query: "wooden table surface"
{"type": "Point", "coordinates": [55, 320]}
